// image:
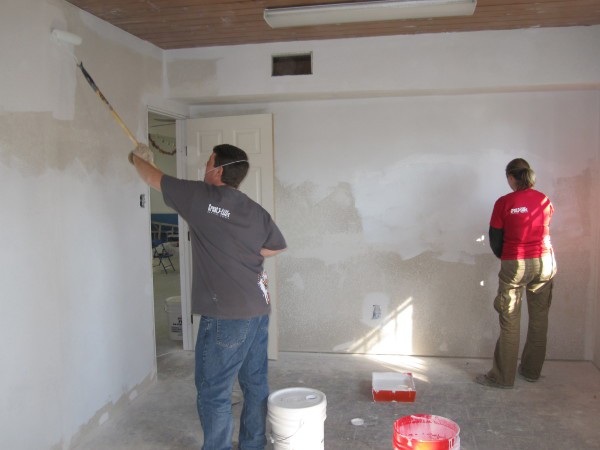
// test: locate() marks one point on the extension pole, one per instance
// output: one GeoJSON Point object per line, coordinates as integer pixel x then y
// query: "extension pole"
{"type": "Point", "coordinates": [92, 84]}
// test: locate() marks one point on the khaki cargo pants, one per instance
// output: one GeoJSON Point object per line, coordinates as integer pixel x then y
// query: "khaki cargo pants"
{"type": "Point", "coordinates": [535, 277]}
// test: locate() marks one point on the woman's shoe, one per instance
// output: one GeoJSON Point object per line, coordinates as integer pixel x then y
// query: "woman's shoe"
{"type": "Point", "coordinates": [484, 380]}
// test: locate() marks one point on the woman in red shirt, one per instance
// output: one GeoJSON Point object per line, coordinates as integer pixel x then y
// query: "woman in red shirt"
{"type": "Point", "coordinates": [520, 237]}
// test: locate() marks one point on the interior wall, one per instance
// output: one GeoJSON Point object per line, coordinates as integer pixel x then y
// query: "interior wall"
{"type": "Point", "coordinates": [422, 64]}
{"type": "Point", "coordinates": [385, 201]}
{"type": "Point", "coordinates": [389, 205]}
{"type": "Point", "coordinates": [77, 333]}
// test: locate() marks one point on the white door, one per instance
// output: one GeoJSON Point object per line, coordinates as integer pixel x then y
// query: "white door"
{"type": "Point", "coordinates": [254, 135]}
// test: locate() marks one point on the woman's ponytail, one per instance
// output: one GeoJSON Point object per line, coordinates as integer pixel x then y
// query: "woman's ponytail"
{"type": "Point", "coordinates": [522, 173]}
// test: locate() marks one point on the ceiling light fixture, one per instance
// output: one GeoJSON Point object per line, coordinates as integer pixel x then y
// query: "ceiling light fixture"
{"type": "Point", "coordinates": [299, 16]}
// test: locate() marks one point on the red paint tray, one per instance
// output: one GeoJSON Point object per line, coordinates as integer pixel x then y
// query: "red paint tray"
{"type": "Point", "coordinates": [393, 387]}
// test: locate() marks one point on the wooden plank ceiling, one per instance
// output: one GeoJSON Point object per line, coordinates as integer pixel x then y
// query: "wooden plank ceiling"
{"type": "Point", "coordinates": [171, 24]}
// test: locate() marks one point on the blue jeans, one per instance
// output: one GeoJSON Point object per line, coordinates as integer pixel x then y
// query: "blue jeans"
{"type": "Point", "coordinates": [224, 349]}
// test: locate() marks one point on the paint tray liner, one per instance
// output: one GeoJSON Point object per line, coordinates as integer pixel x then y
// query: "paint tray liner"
{"type": "Point", "coordinates": [393, 387]}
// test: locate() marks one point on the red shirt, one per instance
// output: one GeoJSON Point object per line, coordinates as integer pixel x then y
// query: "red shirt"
{"type": "Point", "coordinates": [525, 218]}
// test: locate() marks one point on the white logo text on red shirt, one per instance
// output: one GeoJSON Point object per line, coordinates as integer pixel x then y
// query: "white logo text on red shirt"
{"type": "Point", "coordinates": [520, 210]}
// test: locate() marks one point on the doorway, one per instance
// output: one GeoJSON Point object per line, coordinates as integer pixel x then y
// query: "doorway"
{"type": "Point", "coordinates": [165, 240]}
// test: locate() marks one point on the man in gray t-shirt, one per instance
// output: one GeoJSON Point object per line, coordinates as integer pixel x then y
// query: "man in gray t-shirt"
{"type": "Point", "coordinates": [231, 235]}
{"type": "Point", "coordinates": [228, 231]}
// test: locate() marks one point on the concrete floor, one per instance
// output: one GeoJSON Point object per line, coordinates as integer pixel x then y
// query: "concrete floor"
{"type": "Point", "coordinates": [561, 411]}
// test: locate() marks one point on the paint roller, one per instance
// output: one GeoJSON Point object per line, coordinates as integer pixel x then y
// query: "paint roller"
{"type": "Point", "coordinates": [65, 38]}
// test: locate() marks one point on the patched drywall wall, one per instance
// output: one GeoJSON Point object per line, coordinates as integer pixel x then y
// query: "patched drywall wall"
{"type": "Point", "coordinates": [414, 181]}
{"type": "Point", "coordinates": [77, 284]}
{"type": "Point", "coordinates": [385, 204]}
{"type": "Point", "coordinates": [385, 197]}
{"type": "Point", "coordinates": [185, 77]}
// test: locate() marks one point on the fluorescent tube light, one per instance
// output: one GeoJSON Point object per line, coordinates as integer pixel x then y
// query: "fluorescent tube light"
{"type": "Point", "coordinates": [299, 16]}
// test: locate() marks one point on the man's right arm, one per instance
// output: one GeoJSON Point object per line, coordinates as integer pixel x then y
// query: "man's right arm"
{"type": "Point", "coordinates": [148, 173]}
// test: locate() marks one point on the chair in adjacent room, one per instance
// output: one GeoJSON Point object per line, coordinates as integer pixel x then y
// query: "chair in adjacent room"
{"type": "Point", "coordinates": [160, 252]}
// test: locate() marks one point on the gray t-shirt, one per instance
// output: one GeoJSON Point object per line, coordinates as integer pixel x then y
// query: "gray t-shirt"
{"type": "Point", "coordinates": [227, 230]}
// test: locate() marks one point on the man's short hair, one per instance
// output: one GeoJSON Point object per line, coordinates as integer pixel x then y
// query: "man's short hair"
{"type": "Point", "coordinates": [233, 174]}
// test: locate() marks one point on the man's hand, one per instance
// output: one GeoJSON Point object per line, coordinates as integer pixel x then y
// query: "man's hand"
{"type": "Point", "coordinates": [142, 160]}
{"type": "Point", "coordinates": [143, 152]}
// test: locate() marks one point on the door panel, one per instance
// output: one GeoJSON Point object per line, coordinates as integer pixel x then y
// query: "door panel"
{"type": "Point", "coordinates": [254, 135]}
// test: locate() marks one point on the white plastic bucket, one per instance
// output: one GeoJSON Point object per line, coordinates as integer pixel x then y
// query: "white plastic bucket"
{"type": "Point", "coordinates": [297, 417]}
{"type": "Point", "coordinates": [173, 309]}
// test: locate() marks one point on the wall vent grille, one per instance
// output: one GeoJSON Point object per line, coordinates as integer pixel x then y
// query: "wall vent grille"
{"type": "Point", "coordinates": [297, 64]}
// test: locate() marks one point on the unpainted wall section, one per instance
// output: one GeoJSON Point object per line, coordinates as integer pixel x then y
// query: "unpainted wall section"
{"type": "Point", "coordinates": [391, 205]}
{"type": "Point", "coordinates": [77, 331]}
{"type": "Point", "coordinates": [385, 204]}
{"type": "Point", "coordinates": [385, 197]}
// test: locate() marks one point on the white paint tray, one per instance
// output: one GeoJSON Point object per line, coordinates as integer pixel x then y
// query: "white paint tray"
{"type": "Point", "coordinates": [393, 387]}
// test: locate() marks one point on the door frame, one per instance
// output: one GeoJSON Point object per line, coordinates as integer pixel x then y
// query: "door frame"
{"type": "Point", "coordinates": [180, 113]}
{"type": "Point", "coordinates": [185, 249]}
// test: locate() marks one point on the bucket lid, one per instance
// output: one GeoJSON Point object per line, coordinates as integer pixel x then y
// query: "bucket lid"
{"type": "Point", "coordinates": [296, 400]}
{"type": "Point", "coordinates": [437, 432]}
